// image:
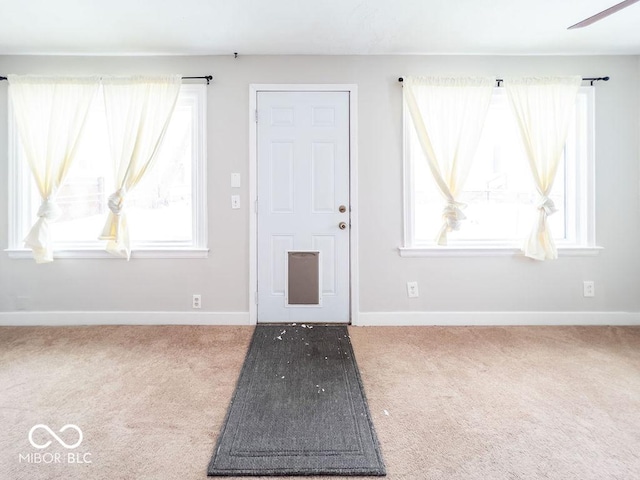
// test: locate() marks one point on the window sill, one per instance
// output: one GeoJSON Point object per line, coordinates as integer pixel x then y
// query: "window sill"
{"type": "Point", "coordinates": [481, 251]}
{"type": "Point", "coordinates": [102, 254]}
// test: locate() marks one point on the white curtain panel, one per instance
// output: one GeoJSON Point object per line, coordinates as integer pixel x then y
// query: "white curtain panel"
{"type": "Point", "coordinates": [138, 113]}
{"type": "Point", "coordinates": [543, 107]}
{"type": "Point", "coordinates": [50, 114]}
{"type": "Point", "coordinates": [448, 114]}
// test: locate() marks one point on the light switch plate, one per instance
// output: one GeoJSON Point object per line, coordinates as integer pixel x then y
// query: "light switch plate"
{"type": "Point", "coordinates": [235, 201]}
{"type": "Point", "coordinates": [235, 180]}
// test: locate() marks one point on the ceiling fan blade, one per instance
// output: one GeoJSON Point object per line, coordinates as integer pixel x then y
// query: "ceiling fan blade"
{"type": "Point", "coordinates": [603, 14]}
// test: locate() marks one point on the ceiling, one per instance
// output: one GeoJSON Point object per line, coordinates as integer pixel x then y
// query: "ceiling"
{"type": "Point", "coordinates": [317, 27]}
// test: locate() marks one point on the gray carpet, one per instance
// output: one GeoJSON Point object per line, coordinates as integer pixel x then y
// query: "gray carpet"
{"type": "Point", "coordinates": [299, 408]}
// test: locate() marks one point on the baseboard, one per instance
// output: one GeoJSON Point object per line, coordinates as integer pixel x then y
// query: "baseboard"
{"type": "Point", "coordinates": [122, 318]}
{"type": "Point", "coordinates": [364, 318]}
{"type": "Point", "coordinates": [497, 318]}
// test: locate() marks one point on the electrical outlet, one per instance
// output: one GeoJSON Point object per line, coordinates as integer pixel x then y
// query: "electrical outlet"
{"type": "Point", "coordinates": [589, 289]}
{"type": "Point", "coordinates": [412, 290]}
{"type": "Point", "coordinates": [197, 301]}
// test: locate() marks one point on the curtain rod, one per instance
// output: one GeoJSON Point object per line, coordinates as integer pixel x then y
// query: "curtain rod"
{"type": "Point", "coordinates": [208, 78]}
{"type": "Point", "coordinates": [584, 79]}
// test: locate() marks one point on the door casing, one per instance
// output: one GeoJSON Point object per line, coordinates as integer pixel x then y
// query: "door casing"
{"type": "Point", "coordinates": [353, 187]}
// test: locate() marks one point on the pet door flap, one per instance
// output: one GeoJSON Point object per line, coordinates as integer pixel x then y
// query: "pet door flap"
{"type": "Point", "coordinates": [303, 278]}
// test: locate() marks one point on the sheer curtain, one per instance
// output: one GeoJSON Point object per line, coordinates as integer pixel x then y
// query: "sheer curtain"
{"type": "Point", "coordinates": [543, 107]}
{"type": "Point", "coordinates": [50, 114]}
{"type": "Point", "coordinates": [138, 112]}
{"type": "Point", "coordinates": [448, 114]}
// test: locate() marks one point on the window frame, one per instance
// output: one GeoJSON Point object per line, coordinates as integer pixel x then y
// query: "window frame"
{"type": "Point", "coordinates": [580, 194]}
{"type": "Point", "coordinates": [193, 95]}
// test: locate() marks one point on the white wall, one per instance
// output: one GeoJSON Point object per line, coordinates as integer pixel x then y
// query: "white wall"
{"type": "Point", "coordinates": [483, 284]}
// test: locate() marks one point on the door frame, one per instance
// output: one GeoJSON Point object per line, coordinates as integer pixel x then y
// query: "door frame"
{"type": "Point", "coordinates": [352, 89]}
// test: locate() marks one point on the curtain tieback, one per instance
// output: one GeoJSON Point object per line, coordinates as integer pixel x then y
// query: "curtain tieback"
{"type": "Point", "coordinates": [49, 210]}
{"type": "Point", "coordinates": [453, 215]}
{"type": "Point", "coordinates": [546, 204]}
{"type": "Point", "coordinates": [116, 201]}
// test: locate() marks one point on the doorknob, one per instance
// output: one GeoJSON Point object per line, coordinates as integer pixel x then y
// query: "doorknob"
{"type": "Point", "coordinates": [342, 225]}
{"type": "Point", "coordinates": [342, 209]}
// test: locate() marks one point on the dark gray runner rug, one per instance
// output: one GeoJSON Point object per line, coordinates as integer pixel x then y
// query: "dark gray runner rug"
{"type": "Point", "coordinates": [299, 408]}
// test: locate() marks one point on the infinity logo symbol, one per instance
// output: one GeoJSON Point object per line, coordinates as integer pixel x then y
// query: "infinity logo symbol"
{"type": "Point", "coordinates": [51, 432]}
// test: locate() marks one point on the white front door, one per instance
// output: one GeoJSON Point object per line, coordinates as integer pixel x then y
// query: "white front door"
{"type": "Point", "coordinates": [303, 206]}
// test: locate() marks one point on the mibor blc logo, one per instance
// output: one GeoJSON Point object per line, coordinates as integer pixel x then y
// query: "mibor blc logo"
{"type": "Point", "coordinates": [40, 442]}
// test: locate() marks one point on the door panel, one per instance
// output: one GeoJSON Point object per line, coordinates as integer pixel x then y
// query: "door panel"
{"type": "Point", "coordinates": [303, 180]}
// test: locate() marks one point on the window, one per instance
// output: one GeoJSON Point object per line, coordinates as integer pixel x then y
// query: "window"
{"type": "Point", "coordinates": [166, 211]}
{"type": "Point", "coordinates": [499, 194]}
